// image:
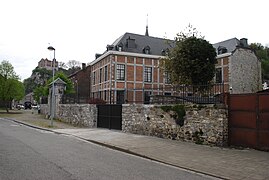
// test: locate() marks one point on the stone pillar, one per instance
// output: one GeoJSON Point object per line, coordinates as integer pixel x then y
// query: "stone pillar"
{"type": "Point", "coordinates": [59, 88]}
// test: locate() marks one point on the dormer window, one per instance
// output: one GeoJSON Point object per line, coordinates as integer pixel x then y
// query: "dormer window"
{"type": "Point", "coordinates": [165, 52]}
{"type": "Point", "coordinates": [130, 42]}
{"type": "Point", "coordinates": [120, 47]}
{"type": "Point", "coordinates": [109, 47]}
{"type": "Point", "coordinates": [146, 50]}
{"type": "Point", "coordinates": [222, 50]}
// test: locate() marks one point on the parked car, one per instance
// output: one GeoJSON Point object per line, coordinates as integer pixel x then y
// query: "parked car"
{"type": "Point", "coordinates": [20, 106]}
{"type": "Point", "coordinates": [35, 106]}
{"type": "Point", "coordinates": [28, 105]}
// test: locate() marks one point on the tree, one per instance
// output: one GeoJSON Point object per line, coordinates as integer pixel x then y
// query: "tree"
{"type": "Point", "coordinates": [73, 66]}
{"type": "Point", "coordinates": [69, 85]}
{"type": "Point", "coordinates": [38, 92]}
{"type": "Point", "coordinates": [192, 60]}
{"type": "Point", "coordinates": [10, 86]}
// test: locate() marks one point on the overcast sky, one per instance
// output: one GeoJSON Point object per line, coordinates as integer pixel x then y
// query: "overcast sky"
{"type": "Point", "coordinates": [78, 29]}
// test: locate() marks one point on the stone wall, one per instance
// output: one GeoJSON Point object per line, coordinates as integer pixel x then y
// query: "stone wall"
{"type": "Point", "coordinates": [245, 72]}
{"type": "Point", "coordinates": [44, 109]}
{"type": "Point", "coordinates": [78, 114]}
{"type": "Point", "coordinates": [202, 124]}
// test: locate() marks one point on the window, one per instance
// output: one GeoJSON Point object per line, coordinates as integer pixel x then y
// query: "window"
{"type": "Point", "coordinates": [120, 97]}
{"type": "Point", "coordinates": [222, 50]}
{"type": "Point", "coordinates": [100, 75]}
{"type": "Point", "coordinates": [130, 43]}
{"type": "Point", "coordinates": [167, 77]}
{"type": "Point", "coordinates": [120, 72]}
{"type": "Point", "coordinates": [219, 75]}
{"type": "Point", "coordinates": [148, 74]}
{"type": "Point", "coordinates": [106, 73]}
{"type": "Point", "coordinates": [93, 77]}
{"type": "Point", "coordinates": [146, 50]}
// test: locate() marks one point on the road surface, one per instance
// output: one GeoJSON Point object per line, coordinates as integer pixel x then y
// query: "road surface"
{"type": "Point", "coordinates": [28, 153]}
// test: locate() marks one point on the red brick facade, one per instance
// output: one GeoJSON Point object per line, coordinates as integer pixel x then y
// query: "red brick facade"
{"type": "Point", "coordinates": [119, 77]}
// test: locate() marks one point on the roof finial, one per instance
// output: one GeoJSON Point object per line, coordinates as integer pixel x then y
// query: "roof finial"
{"type": "Point", "coordinates": [147, 31]}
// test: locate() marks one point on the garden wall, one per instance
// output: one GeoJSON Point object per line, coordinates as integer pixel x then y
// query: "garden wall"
{"type": "Point", "coordinates": [78, 114]}
{"type": "Point", "coordinates": [202, 124]}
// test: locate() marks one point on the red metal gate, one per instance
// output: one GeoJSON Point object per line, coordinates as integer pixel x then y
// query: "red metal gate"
{"type": "Point", "coordinates": [249, 120]}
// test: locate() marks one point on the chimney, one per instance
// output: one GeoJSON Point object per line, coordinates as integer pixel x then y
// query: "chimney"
{"type": "Point", "coordinates": [83, 66]}
{"type": "Point", "coordinates": [97, 55]}
{"type": "Point", "coordinates": [244, 42]}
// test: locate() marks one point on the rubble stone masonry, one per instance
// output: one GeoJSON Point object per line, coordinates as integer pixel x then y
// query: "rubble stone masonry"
{"type": "Point", "coordinates": [202, 124]}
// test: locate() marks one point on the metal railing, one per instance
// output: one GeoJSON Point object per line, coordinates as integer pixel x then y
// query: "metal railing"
{"type": "Point", "coordinates": [180, 94]}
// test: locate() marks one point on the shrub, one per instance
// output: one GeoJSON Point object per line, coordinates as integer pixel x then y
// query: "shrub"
{"type": "Point", "coordinates": [179, 113]}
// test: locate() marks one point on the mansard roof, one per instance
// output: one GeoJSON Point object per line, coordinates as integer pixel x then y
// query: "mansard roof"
{"type": "Point", "coordinates": [136, 43]}
{"type": "Point", "coordinates": [229, 44]}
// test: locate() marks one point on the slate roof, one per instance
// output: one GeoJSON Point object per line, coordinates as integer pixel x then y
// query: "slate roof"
{"type": "Point", "coordinates": [156, 45]}
{"type": "Point", "coordinates": [57, 81]}
{"type": "Point", "coordinates": [229, 44]}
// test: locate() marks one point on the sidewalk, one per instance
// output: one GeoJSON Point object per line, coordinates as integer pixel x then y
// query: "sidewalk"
{"type": "Point", "coordinates": [224, 163]}
{"type": "Point", "coordinates": [220, 162]}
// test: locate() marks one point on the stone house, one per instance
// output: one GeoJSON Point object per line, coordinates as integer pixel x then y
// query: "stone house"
{"type": "Point", "coordinates": [47, 64]}
{"type": "Point", "coordinates": [129, 69]}
{"type": "Point", "coordinates": [238, 67]}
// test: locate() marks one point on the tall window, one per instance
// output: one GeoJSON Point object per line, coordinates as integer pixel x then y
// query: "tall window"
{"type": "Point", "coordinates": [148, 74]}
{"type": "Point", "coordinates": [120, 72]}
{"type": "Point", "coordinates": [167, 77]}
{"type": "Point", "coordinates": [100, 75]}
{"type": "Point", "coordinates": [106, 74]}
{"type": "Point", "coordinates": [93, 77]}
{"type": "Point", "coordinates": [219, 75]}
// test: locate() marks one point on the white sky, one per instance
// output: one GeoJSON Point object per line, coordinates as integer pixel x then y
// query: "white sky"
{"type": "Point", "coordinates": [78, 29]}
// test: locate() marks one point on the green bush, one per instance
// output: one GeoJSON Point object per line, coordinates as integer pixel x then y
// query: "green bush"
{"type": "Point", "coordinates": [179, 110]}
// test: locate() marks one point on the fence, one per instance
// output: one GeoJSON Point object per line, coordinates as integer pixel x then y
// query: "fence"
{"type": "Point", "coordinates": [199, 94]}
{"type": "Point", "coordinates": [74, 99]}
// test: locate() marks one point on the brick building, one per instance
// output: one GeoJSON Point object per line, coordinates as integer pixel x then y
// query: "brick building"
{"type": "Point", "coordinates": [238, 67]}
{"type": "Point", "coordinates": [81, 81]}
{"type": "Point", "coordinates": [129, 70]}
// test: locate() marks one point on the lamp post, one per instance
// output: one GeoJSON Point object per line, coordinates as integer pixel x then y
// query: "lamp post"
{"type": "Point", "coordinates": [76, 81]}
{"type": "Point", "coordinates": [50, 48]}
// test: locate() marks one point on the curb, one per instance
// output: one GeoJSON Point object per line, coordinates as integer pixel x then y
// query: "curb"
{"type": "Point", "coordinates": [121, 149]}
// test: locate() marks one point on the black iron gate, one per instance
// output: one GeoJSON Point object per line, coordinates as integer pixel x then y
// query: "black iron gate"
{"type": "Point", "coordinates": [109, 116]}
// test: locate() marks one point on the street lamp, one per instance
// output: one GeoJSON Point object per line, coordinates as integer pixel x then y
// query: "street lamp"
{"type": "Point", "coordinates": [50, 48]}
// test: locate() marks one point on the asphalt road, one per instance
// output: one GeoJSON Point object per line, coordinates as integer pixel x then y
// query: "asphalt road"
{"type": "Point", "coordinates": [28, 153]}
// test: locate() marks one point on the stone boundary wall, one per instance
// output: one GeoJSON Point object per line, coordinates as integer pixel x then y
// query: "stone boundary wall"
{"type": "Point", "coordinates": [202, 124]}
{"type": "Point", "coordinates": [44, 109]}
{"type": "Point", "coordinates": [78, 114]}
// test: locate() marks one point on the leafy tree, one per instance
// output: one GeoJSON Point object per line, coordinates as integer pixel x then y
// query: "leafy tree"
{"type": "Point", "coordinates": [69, 85]}
{"type": "Point", "coordinates": [10, 86]}
{"type": "Point", "coordinates": [263, 54]}
{"type": "Point", "coordinates": [192, 60]}
{"type": "Point", "coordinates": [38, 92]}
